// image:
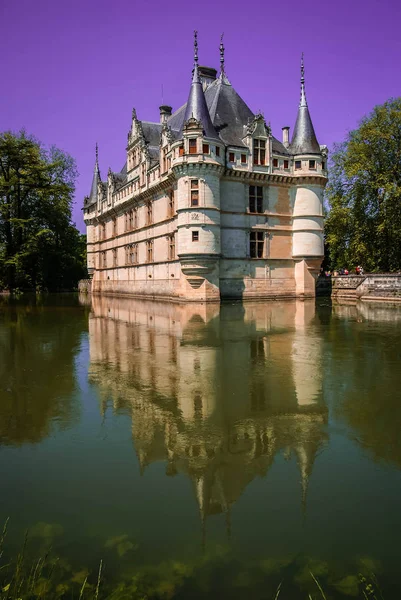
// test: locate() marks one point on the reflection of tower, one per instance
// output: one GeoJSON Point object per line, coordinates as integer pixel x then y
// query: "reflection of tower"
{"type": "Point", "coordinates": [214, 392]}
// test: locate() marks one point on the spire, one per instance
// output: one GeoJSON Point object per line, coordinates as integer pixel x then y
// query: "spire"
{"type": "Point", "coordinates": [304, 139]}
{"type": "Point", "coordinates": [196, 105]}
{"type": "Point", "coordinates": [303, 97]}
{"type": "Point", "coordinates": [222, 55]}
{"type": "Point", "coordinates": [96, 179]}
{"type": "Point", "coordinates": [223, 77]}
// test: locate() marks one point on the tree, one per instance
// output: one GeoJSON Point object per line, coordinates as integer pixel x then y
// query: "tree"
{"type": "Point", "coordinates": [364, 194]}
{"type": "Point", "coordinates": [39, 246]}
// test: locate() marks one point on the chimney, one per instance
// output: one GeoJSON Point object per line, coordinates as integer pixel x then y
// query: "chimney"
{"type": "Point", "coordinates": [286, 136]}
{"type": "Point", "coordinates": [165, 113]}
{"type": "Point", "coordinates": [207, 76]}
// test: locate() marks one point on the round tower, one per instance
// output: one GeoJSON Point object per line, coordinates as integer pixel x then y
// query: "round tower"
{"type": "Point", "coordinates": [309, 170]}
{"type": "Point", "coordinates": [198, 165]}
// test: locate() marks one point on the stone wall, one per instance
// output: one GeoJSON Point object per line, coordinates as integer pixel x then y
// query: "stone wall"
{"type": "Point", "coordinates": [369, 287]}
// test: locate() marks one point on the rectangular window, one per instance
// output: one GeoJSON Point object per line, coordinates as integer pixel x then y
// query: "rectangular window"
{"type": "Point", "coordinates": [104, 260]}
{"type": "Point", "coordinates": [114, 257]}
{"type": "Point", "coordinates": [149, 251]}
{"type": "Point", "coordinates": [256, 244]}
{"type": "Point", "coordinates": [231, 156]}
{"type": "Point", "coordinates": [126, 222]}
{"type": "Point", "coordinates": [181, 151]}
{"type": "Point", "coordinates": [286, 164]}
{"type": "Point", "coordinates": [135, 218]}
{"type": "Point", "coordinates": [103, 231]}
{"type": "Point", "coordinates": [255, 199]}
{"type": "Point", "coordinates": [205, 148]}
{"type": "Point", "coordinates": [194, 192]}
{"type": "Point", "coordinates": [133, 254]}
{"type": "Point", "coordinates": [312, 165]}
{"type": "Point", "coordinates": [275, 162]}
{"type": "Point", "coordinates": [192, 146]}
{"type": "Point", "coordinates": [171, 247]}
{"type": "Point", "coordinates": [259, 152]}
{"type": "Point", "coordinates": [171, 204]}
{"type": "Point", "coordinates": [149, 214]}
{"type": "Point", "coordinates": [195, 236]}
{"type": "Point", "coordinates": [298, 164]}
{"type": "Point", "coordinates": [217, 150]}
{"type": "Point", "coordinates": [243, 159]}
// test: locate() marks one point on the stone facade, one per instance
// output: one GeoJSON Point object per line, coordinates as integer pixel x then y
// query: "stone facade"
{"type": "Point", "coordinates": [209, 204]}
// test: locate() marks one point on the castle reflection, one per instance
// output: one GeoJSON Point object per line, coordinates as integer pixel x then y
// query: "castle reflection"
{"type": "Point", "coordinates": [216, 392]}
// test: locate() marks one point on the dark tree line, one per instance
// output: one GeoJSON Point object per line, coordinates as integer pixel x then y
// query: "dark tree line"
{"type": "Point", "coordinates": [40, 248]}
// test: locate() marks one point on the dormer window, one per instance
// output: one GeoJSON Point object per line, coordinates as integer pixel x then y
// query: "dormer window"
{"type": "Point", "coordinates": [231, 156]}
{"type": "Point", "coordinates": [192, 145]}
{"type": "Point", "coordinates": [181, 151]}
{"type": "Point", "coordinates": [298, 165]}
{"type": "Point", "coordinates": [312, 165]}
{"type": "Point", "coordinates": [259, 152]}
{"type": "Point", "coordinates": [205, 148]}
{"type": "Point", "coordinates": [275, 162]}
{"type": "Point", "coordinates": [286, 164]}
{"type": "Point", "coordinates": [243, 159]}
{"type": "Point", "coordinates": [323, 165]}
{"type": "Point", "coordinates": [217, 150]}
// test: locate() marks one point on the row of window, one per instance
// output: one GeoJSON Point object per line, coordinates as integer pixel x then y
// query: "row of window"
{"type": "Point", "coordinates": [131, 216]}
{"type": "Point", "coordinates": [131, 221]}
{"type": "Point", "coordinates": [131, 253]}
{"type": "Point", "coordinates": [256, 249]}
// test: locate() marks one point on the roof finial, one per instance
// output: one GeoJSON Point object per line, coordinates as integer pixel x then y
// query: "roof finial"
{"type": "Point", "coordinates": [195, 48]}
{"type": "Point", "coordinates": [303, 96]}
{"type": "Point", "coordinates": [97, 155]}
{"type": "Point", "coordinates": [222, 55]}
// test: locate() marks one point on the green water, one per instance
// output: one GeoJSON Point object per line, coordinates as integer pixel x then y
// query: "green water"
{"type": "Point", "coordinates": [208, 451]}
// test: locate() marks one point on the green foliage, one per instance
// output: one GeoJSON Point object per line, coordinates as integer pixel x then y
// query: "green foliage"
{"type": "Point", "coordinates": [364, 194]}
{"type": "Point", "coordinates": [39, 246]}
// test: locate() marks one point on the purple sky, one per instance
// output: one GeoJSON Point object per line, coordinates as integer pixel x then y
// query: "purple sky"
{"type": "Point", "coordinates": [72, 71]}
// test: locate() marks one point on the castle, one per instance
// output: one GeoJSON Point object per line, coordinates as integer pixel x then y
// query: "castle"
{"type": "Point", "coordinates": [209, 204]}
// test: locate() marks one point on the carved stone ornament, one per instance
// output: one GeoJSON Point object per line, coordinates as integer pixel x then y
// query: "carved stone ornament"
{"type": "Point", "coordinates": [166, 134]}
{"type": "Point", "coordinates": [257, 127]}
{"type": "Point", "coordinates": [192, 124]}
{"type": "Point", "coordinates": [325, 151]}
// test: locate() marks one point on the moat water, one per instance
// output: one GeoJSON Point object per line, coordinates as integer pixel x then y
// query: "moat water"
{"type": "Point", "coordinates": [203, 451]}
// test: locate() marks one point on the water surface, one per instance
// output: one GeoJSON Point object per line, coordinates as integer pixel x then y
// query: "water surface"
{"type": "Point", "coordinates": [215, 451]}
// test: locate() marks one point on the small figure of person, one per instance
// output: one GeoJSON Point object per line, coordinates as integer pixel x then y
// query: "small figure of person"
{"type": "Point", "coordinates": [346, 272]}
{"type": "Point", "coordinates": [358, 270]}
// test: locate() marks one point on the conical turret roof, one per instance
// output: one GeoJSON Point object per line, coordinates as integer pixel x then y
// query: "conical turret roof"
{"type": "Point", "coordinates": [92, 198]}
{"type": "Point", "coordinates": [196, 107]}
{"type": "Point", "coordinates": [304, 139]}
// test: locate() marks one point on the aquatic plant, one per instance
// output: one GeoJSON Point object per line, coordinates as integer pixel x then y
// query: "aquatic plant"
{"type": "Point", "coordinates": [216, 573]}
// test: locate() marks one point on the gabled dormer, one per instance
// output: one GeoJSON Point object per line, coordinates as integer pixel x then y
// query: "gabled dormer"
{"type": "Point", "coordinates": [258, 140]}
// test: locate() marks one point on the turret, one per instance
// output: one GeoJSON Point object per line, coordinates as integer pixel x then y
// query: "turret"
{"type": "Point", "coordinates": [309, 169]}
{"type": "Point", "coordinates": [90, 204]}
{"type": "Point", "coordinates": [198, 167]}
{"type": "Point", "coordinates": [196, 106]}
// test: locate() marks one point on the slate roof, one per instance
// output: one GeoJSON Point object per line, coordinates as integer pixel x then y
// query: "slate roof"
{"type": "Point", "coordinates": [197, 108]}
{"type": "Point", "coordinates": [228, 112]}
{"type": "Point", "coordinates": [92, 198]}
{"type": "Point", "coordinates": [304, 139]}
